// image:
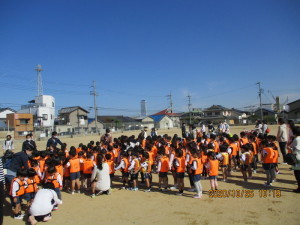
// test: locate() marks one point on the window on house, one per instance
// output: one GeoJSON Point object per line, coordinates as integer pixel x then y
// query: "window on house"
{"type": "Point", "coordinates": [24, 121]}
{"type": "Point", "coordinates": [45, 116]}
{"type": "Point", "coordinates": [217, 113]}
{"type": "Point", "coordinates": [209, 114]}
{"type": "Point", "coordinates": [52, 104]}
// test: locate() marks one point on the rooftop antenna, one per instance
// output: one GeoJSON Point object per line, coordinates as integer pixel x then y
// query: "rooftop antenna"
{"type": "Point", "coordinates": [39, 70]}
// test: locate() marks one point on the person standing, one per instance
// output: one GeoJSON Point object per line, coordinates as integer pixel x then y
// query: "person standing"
{"type": "Point", "coordinates": [282, 137]}
{"type": "Point", "coordinates": [2, 183]}
{"type": "Point", "coordinates": [295, 148]}
{"type": "Point", "coordinates": [53, 141]}
{"type": "Point", "coordinates": [183, 130]}
{"type": "Point", "coordinates": [107, 137]}
{"type": "Point", "coordinates": [8, 144]}
{"type": "Point", "coordinates": [29, 143]}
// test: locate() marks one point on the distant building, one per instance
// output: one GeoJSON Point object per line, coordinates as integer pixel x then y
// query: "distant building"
{"type": "Point", "coordinates": [92, 126]}
{"type": "Point", "coordinates": [175, 117]}
{"type": "Point", "coordinates": [119, 123]}
{"type": "Point", "coordinates": [162, 121]}
{"type": "Point", "coordinates": [4, 112]}
{"type": "Point", "coordinates": [196, 115]}
{"type": "Point", "coordinates": [146, 121]}
{"type": "Point", "coordinates": [294, 110]}
{"type": "Point", "coordinates": [43, 110]}
{"type": "Point", "coordinates": [75, 117]}
{"type": "Point", "coordinates": [22, 123]}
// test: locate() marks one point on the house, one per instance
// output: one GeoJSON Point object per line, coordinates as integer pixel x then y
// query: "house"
{"type": "Point", "coordinates": [75, 118]}
{"type": "Point", "coordinates": [294, 110]}
{"type": "Point", "coordinates": [146, 121]}
{"type": "Point", "coordinates": [268, 114]}
{"type": "Point", "coordinates": [195, 115]}
{"type": "Point", "coordinates": [95, 127]}
{"type": "Point", "coordinates": [22, 123]}
{"type": "Point", "coordinates": [218, 113]}
{"type": "Point", "coordinates": [175, 117]}
{"type": "Point", "coordinates": [4, 112]}
{"type": "Point", "coordinates": [162, 121]}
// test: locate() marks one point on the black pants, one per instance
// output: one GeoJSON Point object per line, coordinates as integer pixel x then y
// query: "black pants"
{"type": "Point", "coordinates": [282, 146]}
{"type": "Point", "coordinates": [1, 201]}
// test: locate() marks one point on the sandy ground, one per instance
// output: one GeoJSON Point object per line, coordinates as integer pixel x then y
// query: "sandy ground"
{"type": "Point", "coordinates": [277, 206]}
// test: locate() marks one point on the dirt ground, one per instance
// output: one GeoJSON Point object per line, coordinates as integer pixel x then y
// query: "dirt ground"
{"type": "Point", "coordinates": [238, 203]}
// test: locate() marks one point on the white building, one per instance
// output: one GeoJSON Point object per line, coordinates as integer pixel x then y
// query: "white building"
{"type": "Point", "coordinates": [43, 110]}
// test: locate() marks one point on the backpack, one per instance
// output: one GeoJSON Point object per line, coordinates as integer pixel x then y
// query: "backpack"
{"type": "Point", "coordinates": [291, 159]}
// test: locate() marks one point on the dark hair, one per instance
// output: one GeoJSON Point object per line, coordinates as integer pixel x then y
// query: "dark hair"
{"type": "Point", "coordinates": [51, 169]}
{"type": "Point", "coordinates": [31, 172]}
{"type": "Point", "coordinates": [245, 147]}
{"type": "Point", "coordinates": [243, 134]}
{"type": "Point", "coordinates": [99, 162]}
{"type": "Point", "coordinates": [223, 148]}
{"type": "Point", "coordinates": [281, 120]}
{"type": "Point", "coordinates": [212, 154]}
{"type": "Point", "coordinates": [54, 133]}
{"type": "Point", "coordinates": [179, 152]}
{"type": "Point", "coordinates": [48, 185]}
{"type": "Point", "coordinates": [108, 156]}
{"type": "Point", "coordinates": [22, 173]}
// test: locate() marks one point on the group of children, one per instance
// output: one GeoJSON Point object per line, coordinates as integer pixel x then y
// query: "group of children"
{"type": "Point", "coordinates": [200, 158]}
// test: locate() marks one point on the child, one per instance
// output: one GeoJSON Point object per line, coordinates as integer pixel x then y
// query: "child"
{"type": "Point", "coordinates": [17, 191]}
{"type": "Point", "coordinates": [111, 166]}
{"type": "Point", "coordinates": [124, 168]}
{"type": "Point", "coordinates": [88, 166]}
{"type": "Point", "coordinates": [31, 185]}
{"type": "Point", "coordinates": [224, 161]}
{"type": "Point", "coordinates": [197, 169]}
{"type": "Point", "coordinates": [146, 169]}
{"type": "Point", "coordinates": [213, 165]}
{"type": "Point", "coordinates": [179, 164]}
{"type": "Point", "coordinates": [163, 168]}
{"type": "Point", "coordinates": [267, 158]}
{"type": "Point", "coordinates": [74, 165]}
{"type": "Point", "coordinates": [134, 168]}
{"type": "Point", "coordinates": [55, 178]}
{"type": "Point", "coordinates": [245, 161]}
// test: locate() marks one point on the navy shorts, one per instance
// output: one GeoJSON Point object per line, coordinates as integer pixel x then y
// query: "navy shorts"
{"type": "Point", "coordinates": [213, 177]}
{"type": "Point", "coordinates": [87, 175]}
{"type": "Point", "coordinates": [29, 196]}
{"type": "Point", "coordinates": [244, 167]}
{"type": "Point", "coordinates": [163, 174]}
{"type": "Point", "coordinates": [180, 175]}
{"type": "Point", "coordinates": [147, 175]}
{"type": "Point", "coordinates": [125, 174]}
{"type": "Point", "coordinates": [19, 200]}
{"type": "Point", "coordinates": [74, 176]}
{"type": "Point", "coordinates": [196, 177]}
{"type": "Point", "coordinates": [112, 175]}
{"type": "Point", "coordinates": [134, 176]}
{"type": "Point", "coordinates": [224, 166]}
{"type": "Point", "coordinates": [268, 166]}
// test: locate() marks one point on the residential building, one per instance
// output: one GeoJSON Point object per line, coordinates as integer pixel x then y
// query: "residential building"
{"type": "Point", "coordinates": [22, 123]}
{"type": "Point", "coordinates": [4, 112]}
{"type": "Point", "coordinates": [146, 121]}
{"type": "Point", "coordinates": [119, 123]}
{"type": "Point", "coordinates": [294, 110]}
{"type": "Point", "coordinates": [162, 121]}
{"type": "Point", "coordinates": [175, 117]}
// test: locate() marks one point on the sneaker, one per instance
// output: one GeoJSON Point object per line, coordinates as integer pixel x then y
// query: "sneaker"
{"type": "Point", "coordinates": [148, 190]}
{"type": "Point", "coordinates": [134, 189]}
{"type": "Point", "coordinates": [224, 180]}
{"type": "Point", "coordinates": [268, 185]}
{"type": "Point", "coordinates": [93, 196]}
{"type": "Point", "coordinates": [123, 188]}
{"type": "Point", "coordinates": [19, 217]}
{"type": "Point", "coordinates": [274, 180]}
{"type": "Point", "coordinates": [173, 187]}
{"type": "Point", "coordinates": [99, 193]}
{"type": "Point", "coordinates": [284, 163]}
{"type": "Point", "coordinates": [254, 171]}
{"type": "Point", "coordinates": [72, 192]}
{"type": "Point", "coordinates": [191, 189]}
{"type": "Point", "coordinates": [78, 191]}
{"type": "Point", "coordinates": [196, 196]}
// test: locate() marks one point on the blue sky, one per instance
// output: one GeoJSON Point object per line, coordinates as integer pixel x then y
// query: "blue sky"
{"type": "Point", "coordinates": [216, 51]}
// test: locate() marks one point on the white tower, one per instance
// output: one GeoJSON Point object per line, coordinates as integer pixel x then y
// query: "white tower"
{"type": "Point", "coordinates": [39, 70]}
{"type": "Point", "coordinates": [143, 108]}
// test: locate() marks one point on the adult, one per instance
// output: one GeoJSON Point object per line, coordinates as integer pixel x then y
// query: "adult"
{"type": "Point", "coordinates": [53, 141]}
{"type": "Point", "coordinates": [18, 161]}
{"type": "Point", "coordinates": [101, 177]}
{"type": "Point", "coordinates": [107, 137]}
{"type": "Point", "coordinates": [282, 137]}
{"type": "Point", "coordinates": [153, 132]}
{"type": "Point", "coordinates": [43, 203]}
{"type": "Point", "coordinates": [2, 183]}
{"type": "Point", "coordinates": [183, 130]}
{"type": "Point", "coordinates": [226, 128]}
{"type": "Point", "coordinates": [264, 128]}
{"type": "Point", "coordinates": [29, 143]}
{"type": "Point", "coordinates": [8, 144]}
{"type": "Point", "coordinates": [221, 127]}
{"type": "Point", "coordinates": [291, 131]}
{"type": "Point", "coordinates": [295, 148]}
{"type": "Point", "coordinates": [258, 126]}
{"type": "Point", "coordinates": [210, 127]}
{"type": "Point", "coordinates": [203, 128]}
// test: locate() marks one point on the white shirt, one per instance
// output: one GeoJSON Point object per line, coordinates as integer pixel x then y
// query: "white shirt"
{"type": "Point", "coordinates": [42, 203]}
{"type": "Point", "coordinates": [8, 145]}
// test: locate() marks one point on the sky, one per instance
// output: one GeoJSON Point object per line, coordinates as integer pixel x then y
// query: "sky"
{"type": "Point", "coordinates": [214, 51]}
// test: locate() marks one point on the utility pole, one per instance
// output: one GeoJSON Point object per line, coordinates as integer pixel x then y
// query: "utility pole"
{"type": "Point", "coordinates": [260, 91]}
{"type": "Point", "coordinates": [39, 69]}
{"type": "Point", "coordinates": [95, 94]}
{"type": "Point", "coordinates": [189, 107]}
{"type": "Point", "coordinates": [170, 101]}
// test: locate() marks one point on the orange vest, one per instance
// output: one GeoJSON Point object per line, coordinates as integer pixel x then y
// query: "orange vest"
{"type": "Point", "coordinates": [42, 165]}
{"type": "Point", "coordinates": [74, 165]}
{"type": "Point", "coordinates": [275, 158]}
{"type": "Point", "coordinates": [270, 155]}
{"type": "Point", "coordinates": [88, 166]}
{"type": "Point", "coordinates": [136, 165]}
{"type": "Point", "coordinates": [217, 146]}
{"type": "Point", "coordinates": [244, 141]}
{"type": "Point", "coordinates": [214, 166]}
{"type": "Point", "coordinates": [126, 161]}
{"type": "Point", "coordinates": [53, 180]}
{"type": "Point", "coordinates": [199, 169]}
{"type": "Point", "coordinates": [164, 164]}
{"type": "Point", "coordinates": [21, 190]}
{"type": "Point", "coordinates": [234, 149]}
{"type": "Point", "coordinates": [32, 185]}
{"type": "Point", "coordinates": [60, 170]}
{"type": "Point", "coordinates": [181, 167]}
{"type": "Point", "coordinates": [254, 148]}
{"type": "Point", "coordinates": [225, 160]}
{"type": "Point", "coordinates": [111, 166]}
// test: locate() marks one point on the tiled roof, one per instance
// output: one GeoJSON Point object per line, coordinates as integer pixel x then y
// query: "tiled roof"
{"type": "Point", "coordinates": [167, 112]}
{"type": "Point", "coordinates": [68, 110]}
